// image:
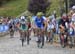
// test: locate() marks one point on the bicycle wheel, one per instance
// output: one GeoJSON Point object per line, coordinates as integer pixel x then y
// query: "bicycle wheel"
{"type": "Point", "coordinates": [62, 41]}
{"type": "Point", "coordinates": [27, 37]}
{"type": "Point", "coordinates": [22, 38]}
{"type": "Point", "coordinates": [11, 34]}
{"type": "Point", "coordinates": [22, 42]}
{"type": "Point", "coordinates": [28, 40]}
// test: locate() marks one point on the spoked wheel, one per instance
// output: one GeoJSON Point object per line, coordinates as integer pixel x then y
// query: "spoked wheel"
{"type": "Point", "coordinates": [28, 40]}
{"type": "Point", "coordinates": [11, 34]}
{"type": "Point", "coordinates": [28, 37]}
{"type": "Point", "coordinates": [62, 41]}
{"type": "Point", "coordinates": [40, 42]}
{"type": "Point", "coordinates": [22, 42]}
{"type": "Point", "coordinates": [22, 37]}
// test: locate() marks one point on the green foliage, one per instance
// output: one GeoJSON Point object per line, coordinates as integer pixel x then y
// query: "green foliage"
{"type": "Point", "coordinates": [16, 7]}
{"type": "Point", "coordinates": [13, 8]}
{"type": "Point", "coordinates": [3, 1]}
{"type": "Point", "coordinates": [55, 5]}
{"type": "Point", "coordinates": [72, 2]}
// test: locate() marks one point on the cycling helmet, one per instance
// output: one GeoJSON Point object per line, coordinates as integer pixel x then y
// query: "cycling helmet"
{"type": "Point", "coordinates": [73, 7]}
{"type": "Point", "coordinates": [22, 17]}
{"type": "Point", "coordinates": [64, 16]}
{"type": "Point", "coordinates": [39, 14]}
{"type": "Point", "coordinates": [51, 17]}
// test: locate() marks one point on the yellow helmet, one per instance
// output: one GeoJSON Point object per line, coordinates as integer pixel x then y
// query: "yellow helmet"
{"type": "Point", "coordinates": [39, 14]}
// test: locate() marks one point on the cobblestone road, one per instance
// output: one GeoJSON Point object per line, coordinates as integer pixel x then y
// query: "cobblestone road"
{"type": "Point", "coordinates": [13, 46]}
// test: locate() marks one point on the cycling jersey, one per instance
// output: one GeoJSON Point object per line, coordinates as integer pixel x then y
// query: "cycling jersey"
{"type": "Point", "coordinates": [63, 23]}
{"type": "Point", "coordinates": [11, 24]}
{"type": "Point", "coordinates": [71, 29]}
{"type": "Point", "coordinates": [50, 26]}
{"type": "Point", "coordinates": [73, 17]}
{"type": "Point", "coordinates": [39, 22]}
{"type": "Point", "coordinates": [23, 25]}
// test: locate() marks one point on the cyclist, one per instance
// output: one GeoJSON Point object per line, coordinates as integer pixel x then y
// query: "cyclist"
{"type": "Point", "coordinates": [40, 27]}
{"type": "Point", "coordinates": [71, 34]}
{"type": "Point", "coordinates": [29, 26]}
{"type": "Point", "coordinates": [50, 27]}
{"type": "Point", "coordinates": [72, 31]}
{"type": "Point", "coordinates": [64, 26]}
{"type": "Point", "coordinates": [11, 27]}
{"type": "Point", "coordinates": [23, 29]}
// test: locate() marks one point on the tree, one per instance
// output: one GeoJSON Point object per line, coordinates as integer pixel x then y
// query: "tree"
{"type": "Point", "coordinates": [72, 2]}
{"type": "Point", "coordinates": [2, 1]}
{"type": "Point", "coordinates": [38, 6]}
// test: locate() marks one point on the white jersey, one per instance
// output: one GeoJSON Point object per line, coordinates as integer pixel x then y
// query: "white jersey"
{"type": "Point", "coordinates": [50, 26]}
{"type": "Point", "coordinates": [73, 17]}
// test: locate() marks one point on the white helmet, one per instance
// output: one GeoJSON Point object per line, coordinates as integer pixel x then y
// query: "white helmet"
{"type": "Point", "coordinates": [22, 17]}
{"type": "Point", "coordinates": [73, 7]}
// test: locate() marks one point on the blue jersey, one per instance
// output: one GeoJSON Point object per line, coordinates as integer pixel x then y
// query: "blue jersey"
{"type": "Point", "coordinates": [39, 22]}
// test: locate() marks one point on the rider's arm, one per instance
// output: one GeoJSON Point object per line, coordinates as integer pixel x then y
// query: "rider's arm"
{"type": "Point", "coordinates": [62, 27]}
{"type": "Point", "coordinates": [45, 24]}
{"type": "Point", "coordinates": [35, 23]}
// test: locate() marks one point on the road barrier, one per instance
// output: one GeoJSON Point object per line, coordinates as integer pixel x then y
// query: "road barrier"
{"type": "Point", "coordinates": [4, 30]}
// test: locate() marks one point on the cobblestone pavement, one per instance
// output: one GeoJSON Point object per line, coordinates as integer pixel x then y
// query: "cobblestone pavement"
{"type": "Point", "coordinates": [13, 46]}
